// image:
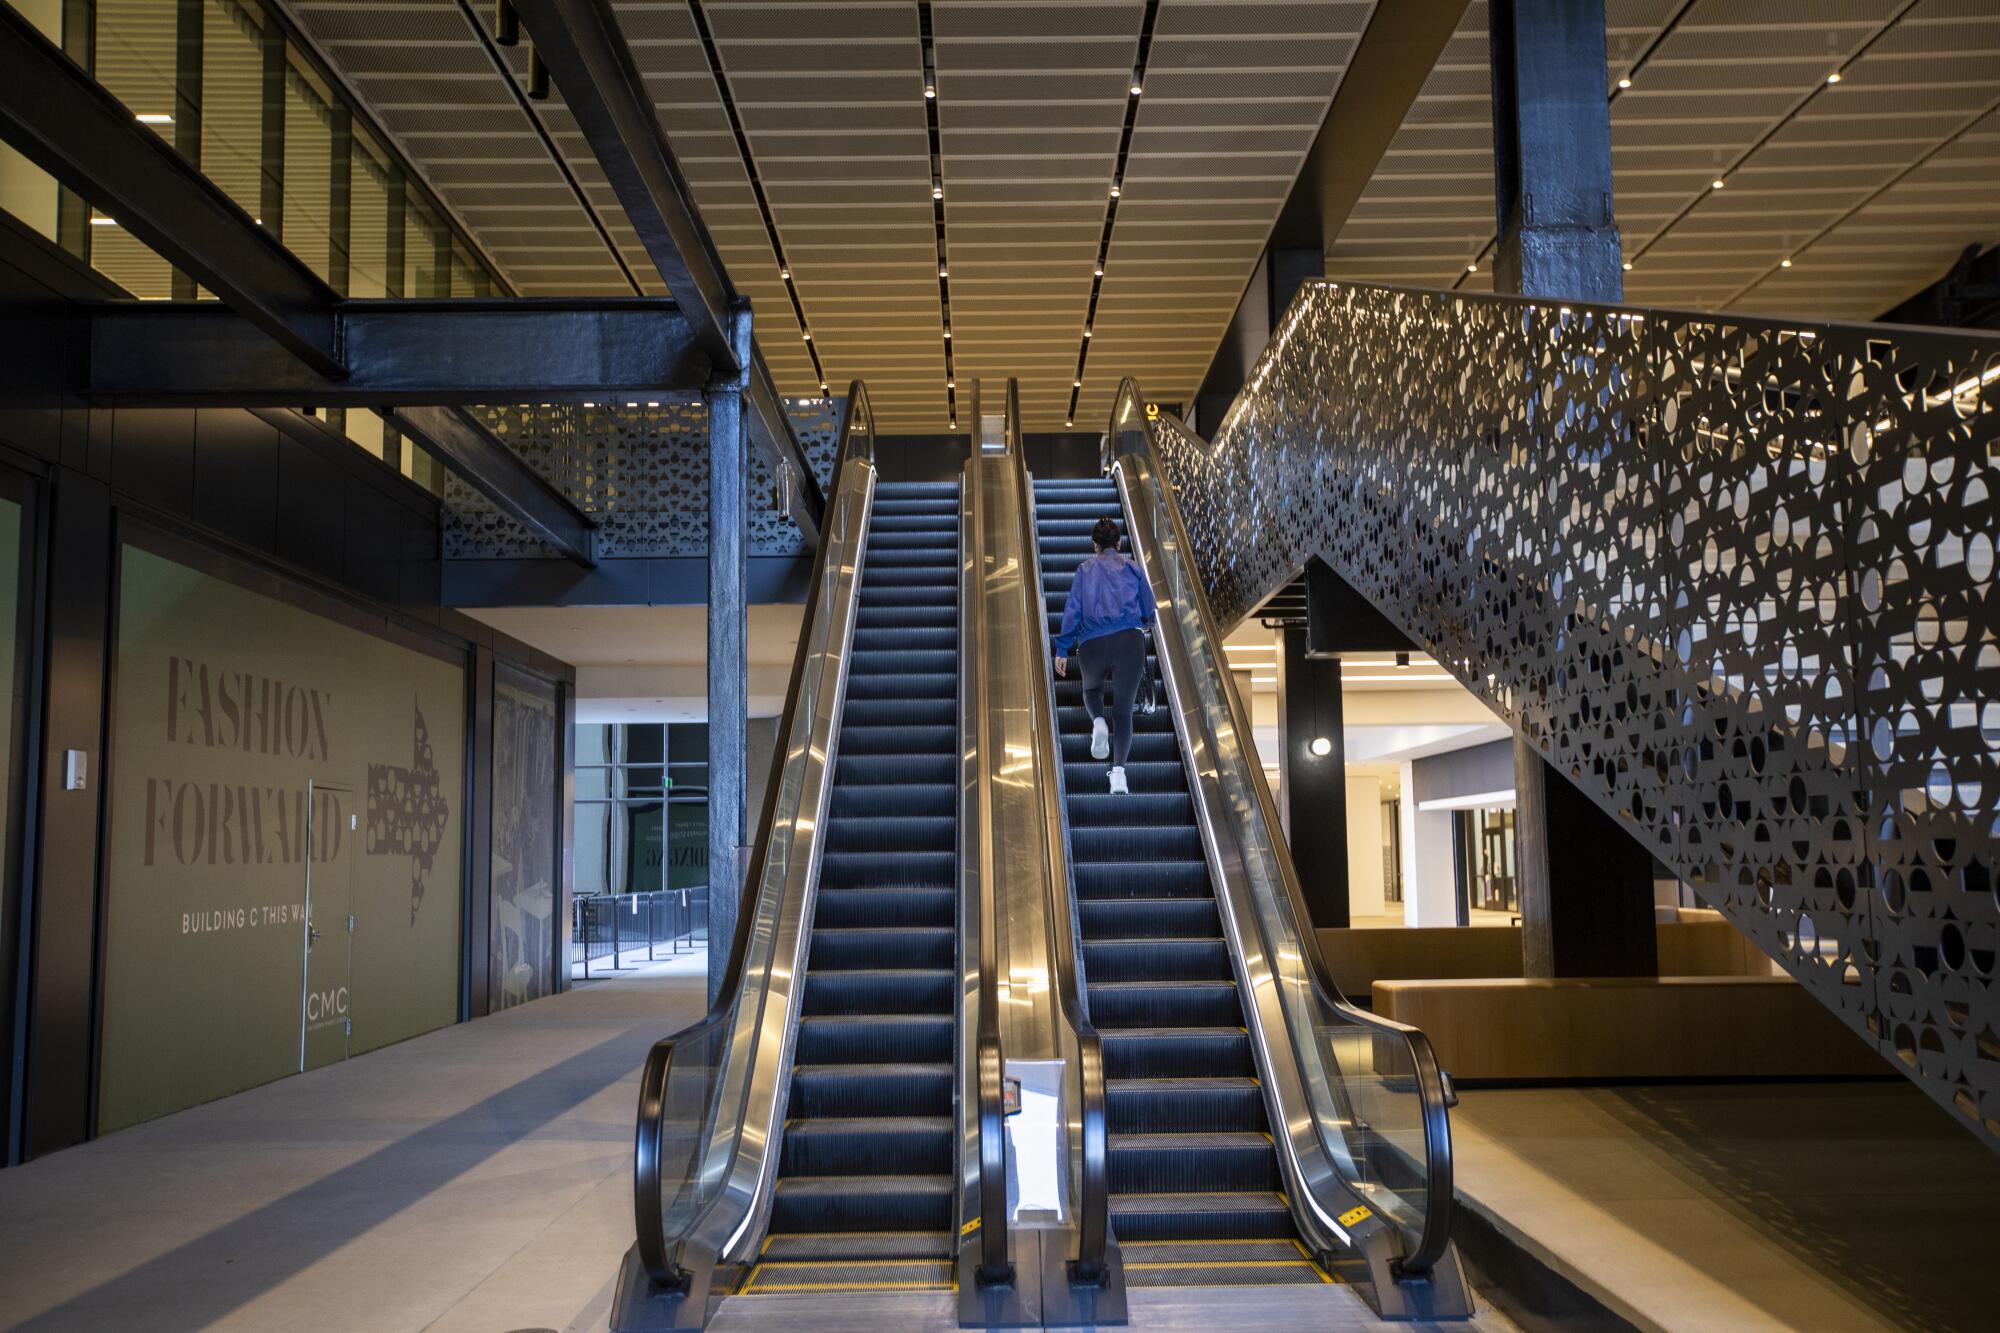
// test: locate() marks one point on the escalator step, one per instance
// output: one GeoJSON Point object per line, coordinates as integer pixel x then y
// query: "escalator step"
{"type": "Point", "coordinates": [896, 640]}
{"type": "Point", "coordinates": [923, 799]}
{"type": "Point", "coordinates": [903, 685]}
{"type": "Point", "coordinates": [1175, 1053]}
{"type": "Point", "coordinates": [845, 909]}
{"type": "Point", "coordinates": [1153, 776]}
{"type": "Point", "coordinates": [942, 616]}
{"type": "Point", "coordinates": [886, 991]}
{"type": "Point", "coordinates": [900, 713]}
{"type": "Point", "coordinates": [1148, 918]}
{"type": "Point", "coordinates": [860, 1038]}
{"type": "Point", "coordinates": [1187, 1163]}
{"type": "Point", "coordinates": [849, 950]}
{"type": "Point", "coordinates": [1156, 960]}
{"type": "Point", "coordinates": [888, 870]}
{"type": "Point", "coordinates": [1147, 747]}
{"type": "Point", "coordinates": [1143, 879]}
{"type": "Point", "coordinates": [899, 1145]}
{"type": "Point", "coordinates": [1185, 1105]}
{"type": "Point", "coordinates": [1192, 1216]}
{"type": "Point", "coordinates": [862, 1203]}
{"type": "Point", "coordinates": [909, 663]}
{"type": "Point", "coordinates": [1171, 842]}
{"type": "Point", "coordinates": [820, 1091]}
{"type": "Point", "coordinates": [1088, 809]}
{"type": "Point", "coordinates": [930, 741]}
{"type": "Point", "coordinates": [798, 1247]}
{"type": "Point", "coordinates": [867, 770]}
{"type": "Point", "coordinates": [891, 833]}
{"type": "Point", "coordinates": [1151, 1004]}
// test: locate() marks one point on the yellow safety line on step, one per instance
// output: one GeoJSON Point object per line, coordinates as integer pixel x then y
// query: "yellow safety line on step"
{"type": "Point", "coordinates": [1216, 1263]}
{"type": "Point", "coordinates": [853, 1286]}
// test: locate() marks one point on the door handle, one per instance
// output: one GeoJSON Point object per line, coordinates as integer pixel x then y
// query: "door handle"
{"type": "Point", "coordinates": [312, 935]}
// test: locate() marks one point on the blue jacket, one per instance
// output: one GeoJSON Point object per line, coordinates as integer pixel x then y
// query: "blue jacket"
{"type": "Point", "coordinates": [1110, 594]}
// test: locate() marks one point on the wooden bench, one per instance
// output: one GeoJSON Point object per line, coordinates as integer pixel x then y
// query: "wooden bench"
{"type": "Point", "coordinates": [1628, 1028]}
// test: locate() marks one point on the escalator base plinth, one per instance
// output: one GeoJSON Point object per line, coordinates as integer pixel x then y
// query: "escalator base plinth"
{"type": "Point", "coordinates": [638, 1307]}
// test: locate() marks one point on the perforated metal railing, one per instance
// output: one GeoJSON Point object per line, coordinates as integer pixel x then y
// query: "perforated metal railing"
{"type": "Point", "coordinates": [1735, 576]}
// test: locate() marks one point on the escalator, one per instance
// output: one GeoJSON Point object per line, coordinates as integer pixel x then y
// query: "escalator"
{"type": "Point", "coordinates": [1195, 1186]}
{"type": "Point", "coordinates": [864, 1190]}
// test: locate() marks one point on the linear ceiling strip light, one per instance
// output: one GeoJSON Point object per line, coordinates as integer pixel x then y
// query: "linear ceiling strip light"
{"type": "Point", "coordinates": [1133, 93]}
{"type": "Point", "coordinates": [756, 185]}
{"type": "Point", "coordinates": [929, 45]}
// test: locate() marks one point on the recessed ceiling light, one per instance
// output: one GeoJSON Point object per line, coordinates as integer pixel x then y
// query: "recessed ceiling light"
{"type": "Point", "coordinates": [951, 384]}
{"type": "Point", "coordinates": [99, 220]}
{"type": "Point", "coordinates": [807, 335]}
{"type": "Point", "coordinates": [1784, 263]}
{"type": "Point", "coordinates": [1628, 266]}
{"type": "Point", "coordinates": [1114, 192]}
{"type": "Point", "coordinates": [937, 191]}
{"type": "Point", "coordinates": [1137, 88]}
{"type": "Point", "coordinates": [1086, 333]}
{"type": "Point", "coordinates": [824, 389]}
{"type": "Point", "coordinates": [155, 118]}
{"type": "Point", "coordinates": [1472, 268]}
{"type": "Point", "coordinates": [1625, 83]}
{"type": "Point", "coordinates": [1070, 422]}
{"type": "Point", "coordinates": [1076, 384]}
{"type": "Point", "coordinates": [1833, 77]}
{"type": "Point", "coordinates": [947, 335]}
{"type": "Point", "coordinates": [930, 90]}
{"type": "Point", "coordinates": [785, 273]}
{"type": "Point", "coordinates": [1099, 272]}
{"type": "Point", "coordinates": [943, 272]}
{"type": "Point", "coordinates": [1716, 184]}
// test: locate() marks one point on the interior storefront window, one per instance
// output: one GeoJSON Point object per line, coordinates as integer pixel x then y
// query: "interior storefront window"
{"type": "Point", "coordinates": [247, 733]}
{"type": "Point", "coordinates": [1487, 856]}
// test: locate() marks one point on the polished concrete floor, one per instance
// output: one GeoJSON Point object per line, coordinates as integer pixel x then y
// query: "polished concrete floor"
{"type": "Point", "coordinates": [1823, 1206]}
{"type": "Point", "coordinates": [476, 1179]}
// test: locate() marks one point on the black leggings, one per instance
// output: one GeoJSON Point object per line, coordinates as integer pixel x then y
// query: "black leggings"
{"type": "Point", "coordinates": [1123, 655]}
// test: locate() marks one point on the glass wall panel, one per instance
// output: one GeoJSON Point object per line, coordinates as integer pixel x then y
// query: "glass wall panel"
{"type": "Point", "coordinates": [308, 193]}
{"type": "Point", "coordinates": [368, 230]}
{"type": "Point", "coordinates": [26, 191]}
{"type": "Point", "coordinates": [229, 708]}
{"type": "Point", "coordinates": [525, 723]}
{"type": "Point", "coordinates": [10, 703]}
{"type": "Point", "coordinates": [232, 102]}
{"type": "Point", "coordinates": [135, 61]}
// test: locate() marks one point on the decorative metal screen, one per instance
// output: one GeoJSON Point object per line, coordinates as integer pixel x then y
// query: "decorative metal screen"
{"type": "Point", "coordinates": [1734, 576]}
{"type": "Point", "coordinates": [640, 472]}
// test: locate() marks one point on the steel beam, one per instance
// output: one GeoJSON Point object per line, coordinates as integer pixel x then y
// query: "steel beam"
{"type": "Point", "coordinates": [592, 65]}
{"type": "Point", "coordinates": [497, 472]}
{"type": "Point", "coordinates": [454, 353]}
{"type": "Point", "coordinates": [60, 118]}
{"type": "Point", "coordinates": [587, 55]}
{"type": "Point", "coordinates": [771, 432]}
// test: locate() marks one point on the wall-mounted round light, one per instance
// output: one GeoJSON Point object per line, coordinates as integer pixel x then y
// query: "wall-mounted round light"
{"type": "Point", "coordinates": [1321, 747]}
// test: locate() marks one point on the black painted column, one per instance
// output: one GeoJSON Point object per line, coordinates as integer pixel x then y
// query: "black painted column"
{"type": "Point", "coordinates": [271, 192]}
{"type": "Point", "coordinates": [477, 918]}
{"type": "Point", "coordinates": [62, 906]}
{"type": "Point", "coordinates": [187, 103]}
{"type": "Point", "coordinates": [1314, 784]}
{"type": "Point", "coordinates": [728, 664]}
{"type": "Point", "coordinates": [1552, 151]}
{"type": "Point", "coordinates": [1586, 884]}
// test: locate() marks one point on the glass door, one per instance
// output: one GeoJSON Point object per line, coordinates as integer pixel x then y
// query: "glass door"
{"type": "Point", "coordinates": [325, 1019]}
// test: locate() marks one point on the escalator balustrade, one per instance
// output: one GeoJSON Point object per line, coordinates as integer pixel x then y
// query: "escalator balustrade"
{"type": "Point", "coordinates": [1195, 1186]}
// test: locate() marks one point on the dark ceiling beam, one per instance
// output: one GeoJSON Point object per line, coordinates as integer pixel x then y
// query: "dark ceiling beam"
{"type": "Point", "coordinates": [1384, 75]}
{"type": "Point", "coordinates": [771, 434]}
{"type": "Point", "coordinates": [587, 57]}
{"type": "Point", "coordinates": [65, 122]}
{"type": "Point", "coordinates": [1966, 297]}
{"type": "Point", "coordinates": [585, 52]}
{"type": "Point", "coordinates": [472, 451]}
{"type": "Point", "coordinates": [453, 353]}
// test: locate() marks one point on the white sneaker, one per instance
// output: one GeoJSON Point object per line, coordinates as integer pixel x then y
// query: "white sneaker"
{"type": "Point", "coordinates": [1100, 739]}
{"type": "Point", "coordinates": [1118, 787]}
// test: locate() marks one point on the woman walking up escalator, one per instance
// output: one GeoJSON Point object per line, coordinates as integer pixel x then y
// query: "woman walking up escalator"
{"type": "Point", "coordinates": [1106, 620]}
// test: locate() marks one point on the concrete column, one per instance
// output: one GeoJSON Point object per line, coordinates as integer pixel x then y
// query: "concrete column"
{"type": "Point", "coordinates": [1586, 884]}
{"type": "Point", "coordinates": [728, 670]}
{"type": "Point", "coordinates": [1552, 151]}
{"type": "Point", "coordinates": [1313, 786]}
{"type": "Point", "coordinates": [1430, 875]}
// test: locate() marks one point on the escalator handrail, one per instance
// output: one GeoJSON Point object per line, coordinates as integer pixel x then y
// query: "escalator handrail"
{"type": "Point", "coordinates": [655, 1248]}
{"type": "Point", "coordinates": [1435, 1098]}
{"type": "Point", "coordinates": [995, 1265]}
{"type": "Point", "coordinates": [1093, 1203]}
